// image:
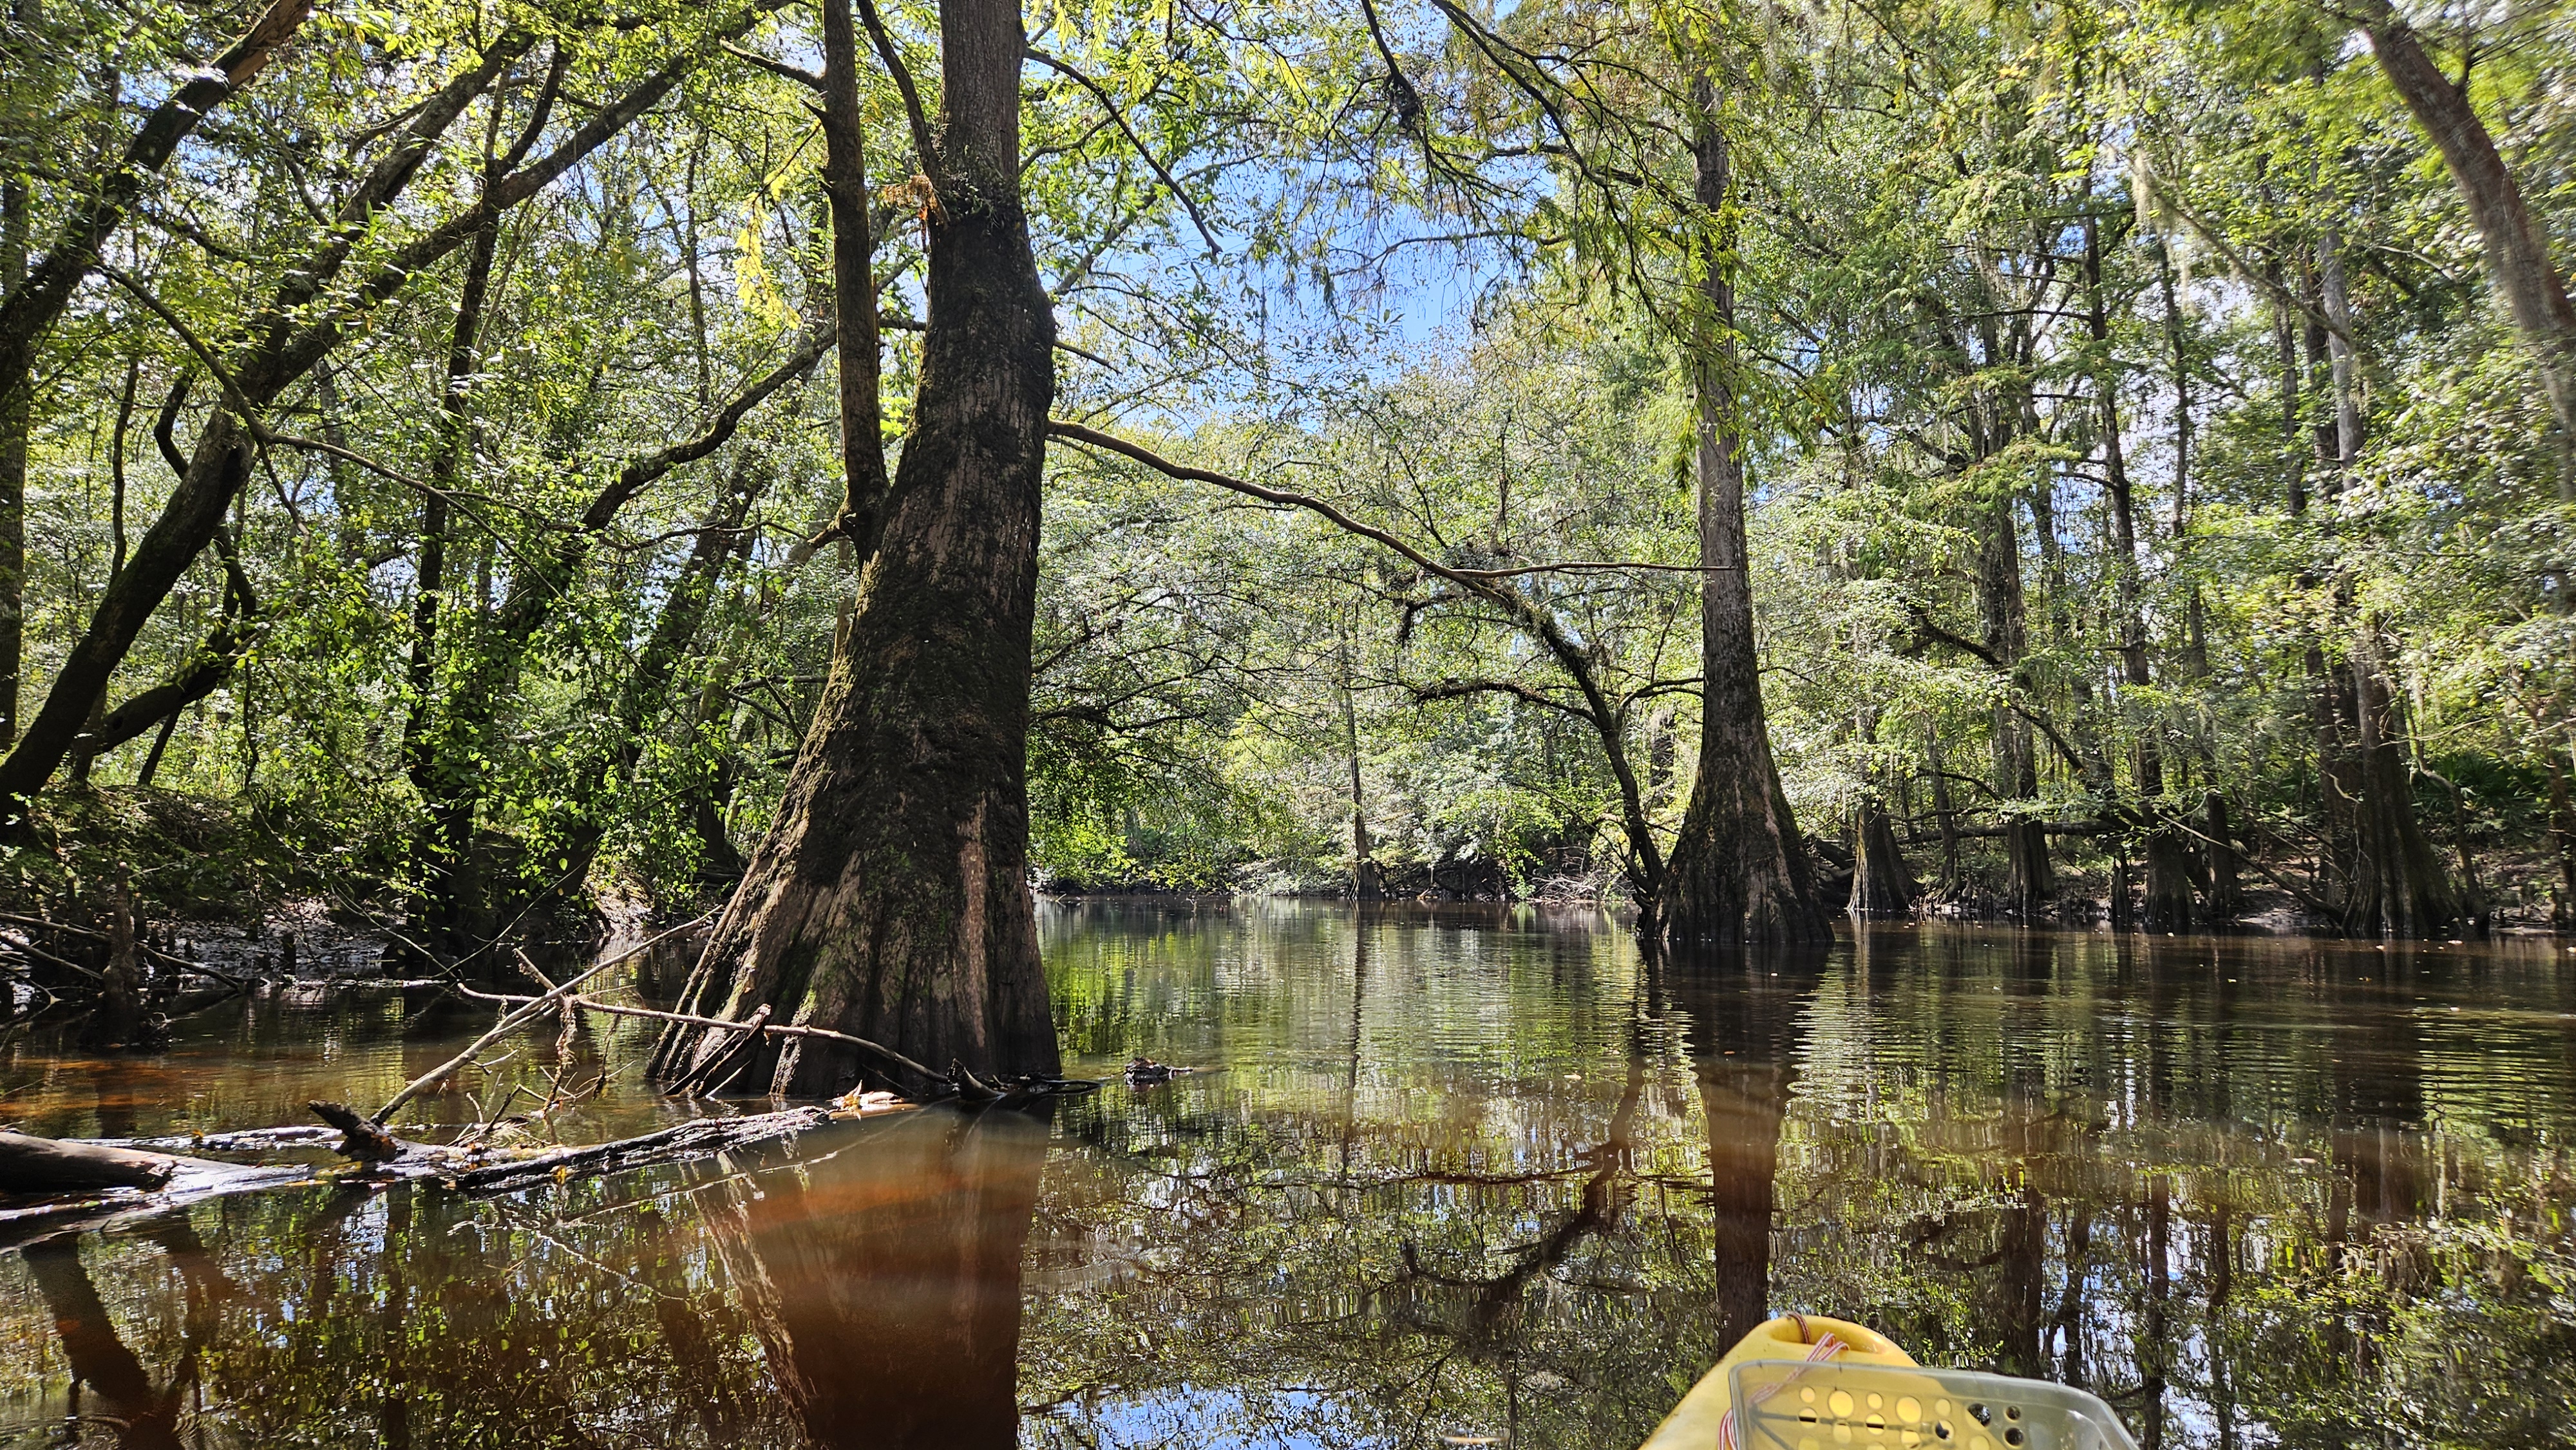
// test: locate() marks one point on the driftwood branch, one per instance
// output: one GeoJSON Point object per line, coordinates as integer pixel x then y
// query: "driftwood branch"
{"type": "Point", "coordinates": [522, 1016]}
{"type": "Point", "coordinates": [359, 1139]}
{"type": "Point", "coordinates": [689, 1140]}
{"type": "Point", "coordinates": [925, 1082]}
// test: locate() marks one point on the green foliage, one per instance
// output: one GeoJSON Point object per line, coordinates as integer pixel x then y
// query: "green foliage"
{"type": "Point", "coordinates": [1246, 261]}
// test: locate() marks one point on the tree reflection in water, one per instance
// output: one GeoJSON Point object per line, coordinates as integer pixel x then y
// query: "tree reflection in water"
{"type": "Point", "coordinates": [1474, 1170]}
{"type": "Point", "coordinates": [1742, 1010]}
{"type": "Point", "coordinates": [883, 1279]}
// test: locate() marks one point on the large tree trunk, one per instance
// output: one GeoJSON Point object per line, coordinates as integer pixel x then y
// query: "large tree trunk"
{"type": "Point", "coordinates": [1739, 870]}
{"type": "Point", "coordinates": [2517, 250]}
{"type": "Point", "coordinates": [891, 898]}
{"type": "Point", "coordinates": [2030, 885]}
{"type": "Point", "coordinates": [2400, 886]}
{"type": "Point", "coordinates": [2226, 900]}
{"type": "Point", "coordinates": [16, 408]}
{"type": "Point", "coordinates": [1881, 884]}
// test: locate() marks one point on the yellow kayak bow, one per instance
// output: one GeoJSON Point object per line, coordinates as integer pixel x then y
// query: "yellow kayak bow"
{"type": "Point", "coordinates": [1807, 1382]}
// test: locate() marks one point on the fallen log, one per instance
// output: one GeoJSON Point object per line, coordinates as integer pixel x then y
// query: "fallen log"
{"type": "Point", "coordinates": [699, 1139]}
{"type": "Point", "coordinates": [29, 1164]}
{"type": "Point", "coordinates": [243, 1140]}
{"type": "Point", "coordinates": [63, 1204]}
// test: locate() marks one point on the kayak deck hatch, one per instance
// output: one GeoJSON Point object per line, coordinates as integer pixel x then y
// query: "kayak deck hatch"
{"type": "Point", "coordinates": [1794, 1405]}
{"type": "Point", "coordinates": [1807, 1382]}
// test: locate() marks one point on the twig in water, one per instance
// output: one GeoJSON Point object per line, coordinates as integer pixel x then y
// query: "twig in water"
{"type": "Point", "coordinates": [523, 1015]}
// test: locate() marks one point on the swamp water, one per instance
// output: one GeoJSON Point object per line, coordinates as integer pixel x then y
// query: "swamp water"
{"type": "Point", "coordinates": [1471, 1174]}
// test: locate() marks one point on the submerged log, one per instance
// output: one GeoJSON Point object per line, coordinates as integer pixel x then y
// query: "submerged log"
{"type": "Point", "coordinates": [81, 1182]}
{"type": "Point", "coordinates": [29, 1164]}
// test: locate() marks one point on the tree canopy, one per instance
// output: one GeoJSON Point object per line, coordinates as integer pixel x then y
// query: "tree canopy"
{"type": "Point", "coordinates": [424, 442]}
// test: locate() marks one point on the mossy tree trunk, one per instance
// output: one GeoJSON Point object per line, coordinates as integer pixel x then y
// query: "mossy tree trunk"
{"type": "Point", "coordinates": [891, 898]}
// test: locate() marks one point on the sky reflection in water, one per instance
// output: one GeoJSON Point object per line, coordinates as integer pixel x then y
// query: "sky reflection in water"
{"type": "Point", "coordinates": [1466, 1171]}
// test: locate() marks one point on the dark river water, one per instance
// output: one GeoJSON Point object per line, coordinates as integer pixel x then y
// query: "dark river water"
{"type": "Point", "coordinates": [1450, 1174]}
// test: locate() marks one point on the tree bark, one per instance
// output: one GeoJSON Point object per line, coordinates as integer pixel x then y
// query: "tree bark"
{"type": "Point", "coordinates": [2168, 904]}
{"type": "Point", "coordinates": [1881, 884]}
{"type": "Point", "coordinates": [443, 845]}
{"type": "Point", "coordinates": [16, 408]}
{"type": "Point", "coordinates": [891, 898]}
{"type": "Point", "coordinates": [2400, 886]}
{"type": "Point", "coordinates": [2226, 899]}
{"type": "Point", "coordinates": [854, 286]}
{"type": "Point", "coordinates": [2517, 250]}
{"type": "Point", "coordinates": [1739, 869]}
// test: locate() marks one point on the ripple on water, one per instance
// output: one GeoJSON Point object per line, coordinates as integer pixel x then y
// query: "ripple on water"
{"type": "Point", "coordinates": [1477, 1170]}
